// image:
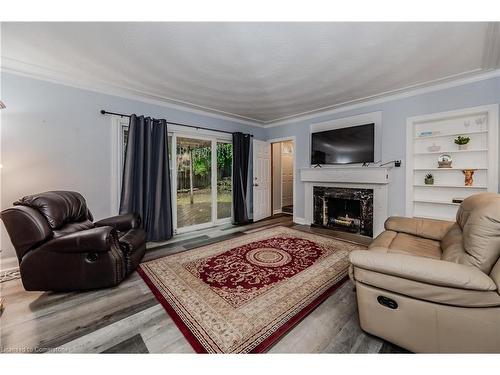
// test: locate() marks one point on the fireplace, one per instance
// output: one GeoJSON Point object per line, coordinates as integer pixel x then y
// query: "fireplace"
{"type": "Point", "coordinates": [345, 209]}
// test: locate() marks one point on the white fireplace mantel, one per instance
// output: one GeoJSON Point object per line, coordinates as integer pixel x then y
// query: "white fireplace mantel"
{"type": "Point", "coordinates": [358, 175]}
{"type": "Point", "coordinates": [375, 178]}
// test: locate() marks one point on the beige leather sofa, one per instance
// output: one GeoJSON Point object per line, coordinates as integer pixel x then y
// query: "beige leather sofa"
{"type": "Point", "coordinates": [433, 286]}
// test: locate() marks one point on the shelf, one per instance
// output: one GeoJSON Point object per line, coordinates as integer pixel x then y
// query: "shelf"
{"type": "Point", "coordinates": [435, 201]}
{"type": "Point", "coordinates": [448, 169]}
{"type": "Point", "coordinates": [450, 186]}
{"type": "Point", "coordinates": [450, 151]}
{"type": "Point", "coordinates": [451, 134]}
{"type": "Point", "coordinates": [448, 203]}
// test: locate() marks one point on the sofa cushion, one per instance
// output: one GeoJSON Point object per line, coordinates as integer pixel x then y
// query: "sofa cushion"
{"type": "Point", "coordinates": [402, 243]}
{"type": "Point", "coordinates": [472, 203]}
{"type": "Point", "coordinates": [412, 245]}
{"type": "Point", "coordinates": [384, 239]}
{"type": "Point", "coordinates": [58, 207]}
{"type": "Point", "coordinates": [426, 228]}
{"type": "Point", "coordinates": [479, 219]}
{"type": "Point", "coordinates": [453, 246]}
{"type": "Point", "coordinates": [495, 274]}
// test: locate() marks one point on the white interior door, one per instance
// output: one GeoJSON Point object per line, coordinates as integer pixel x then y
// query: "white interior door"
{"type": "Point", "coordinates": [261, 180]}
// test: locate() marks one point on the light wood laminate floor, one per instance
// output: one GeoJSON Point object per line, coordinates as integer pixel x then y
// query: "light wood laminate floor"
{"type": "Point", "coordinates": [128, 318]}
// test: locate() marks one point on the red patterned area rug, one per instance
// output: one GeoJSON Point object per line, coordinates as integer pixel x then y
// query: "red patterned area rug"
{"type": "Point", "coordinates": [243, 294]}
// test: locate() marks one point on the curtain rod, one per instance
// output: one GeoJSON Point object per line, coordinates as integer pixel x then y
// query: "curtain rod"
{"type": "Point", "coordinates": [103, 112]}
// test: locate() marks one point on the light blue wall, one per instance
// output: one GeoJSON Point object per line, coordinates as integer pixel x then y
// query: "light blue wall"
{"type": "Point", "coordinates": [53, 137]}
{"type": "Point", "coordinates": [394, 115]}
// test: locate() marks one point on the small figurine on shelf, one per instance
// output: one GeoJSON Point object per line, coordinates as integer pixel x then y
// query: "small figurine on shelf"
{"type": "Point", "coordinates": [468, 176]}
{"type": "Point", "coordinates": [462, 142]}
{"type": "Point", "coordinates": [480, 121]}
{"type": "Point", "coordinates": [429, 179]}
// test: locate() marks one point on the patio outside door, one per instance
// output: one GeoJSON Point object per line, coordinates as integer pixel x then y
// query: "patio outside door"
{"type": "Point", "coordinates": [202, 181]}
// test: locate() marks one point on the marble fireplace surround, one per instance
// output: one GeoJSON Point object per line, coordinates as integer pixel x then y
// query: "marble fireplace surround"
{"type": "Point", "coordinates": [361, 199]}
{"type": "Point", "coordinates": [375, 178]}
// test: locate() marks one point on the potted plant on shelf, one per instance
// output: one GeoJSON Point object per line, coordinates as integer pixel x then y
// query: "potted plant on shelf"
{"type": "Point", "coordinates": [429, 179]}
{"type": "Point", "coordinates": [462, 142]}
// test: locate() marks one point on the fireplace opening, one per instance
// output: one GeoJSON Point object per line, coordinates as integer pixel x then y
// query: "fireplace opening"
{"type": "Point", "coordinates": [345, 209]}
{"type": "Point", "coordinates": [343, 214]}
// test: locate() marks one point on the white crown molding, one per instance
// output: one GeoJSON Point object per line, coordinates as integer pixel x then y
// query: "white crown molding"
{"type": "Point", "coordinates": [43, 74]}
{"type": "Point", "coordinates": [431, 86]}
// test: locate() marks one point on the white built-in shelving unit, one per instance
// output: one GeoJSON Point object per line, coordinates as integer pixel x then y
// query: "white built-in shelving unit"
{"type": "Point", "coordinates": [440, 130]}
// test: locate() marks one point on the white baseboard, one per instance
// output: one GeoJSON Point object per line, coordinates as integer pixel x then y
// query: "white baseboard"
{"type": "Point", "coordinates": [300, 220]}
{"type": "Point", "coordinates": [277, 211]}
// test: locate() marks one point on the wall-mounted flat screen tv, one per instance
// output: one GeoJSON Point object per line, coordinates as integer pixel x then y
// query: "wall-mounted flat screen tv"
{"type": "Point", "coordinates": [350, 145]}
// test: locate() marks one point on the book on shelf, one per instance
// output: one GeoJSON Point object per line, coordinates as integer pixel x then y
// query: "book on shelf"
{"type": "Point", "coordinates": [428, 133]}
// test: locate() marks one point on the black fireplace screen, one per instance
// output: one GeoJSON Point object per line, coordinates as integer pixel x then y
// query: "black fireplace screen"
{"type": "Point", "coordinates": [340, 207]}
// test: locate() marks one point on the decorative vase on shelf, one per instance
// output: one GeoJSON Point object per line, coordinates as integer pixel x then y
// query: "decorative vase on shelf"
{"type": "Point", "coordinates": [463, 147]}
{"type": "Point", "coordinates": [480, 121]}
{"type": "Point", "coordinates": [429, 179]}
{"type": "Point", "coordinates": [444, 161]}
{"type": "Point", "coordinates": [434, 148]}
{"type": "Point", "coordinates": [468, 176]}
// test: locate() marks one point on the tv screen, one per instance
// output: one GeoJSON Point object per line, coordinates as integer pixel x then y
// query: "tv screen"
{"type": "Point", "coordinates": [344, 146]}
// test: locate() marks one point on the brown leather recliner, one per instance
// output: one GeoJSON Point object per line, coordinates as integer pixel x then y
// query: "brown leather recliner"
{"type": "Point", "coordinates": [60, 249]}
{"type": "Point", "coordinates": [433, 286]}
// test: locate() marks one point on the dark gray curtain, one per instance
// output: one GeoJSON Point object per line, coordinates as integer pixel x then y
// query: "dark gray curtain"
{"type": "Point", "coordinates": [241, 153]}
{"type": "Point", "coordinates": [146, 177]}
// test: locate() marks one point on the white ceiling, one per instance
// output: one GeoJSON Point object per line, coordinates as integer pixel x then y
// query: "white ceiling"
{"type": "Point", "coordinates": [263, 72]}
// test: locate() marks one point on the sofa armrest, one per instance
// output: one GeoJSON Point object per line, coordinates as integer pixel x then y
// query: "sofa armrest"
{"type": "Point", "coordinates": [427, 228]}
{"type": "Point", "coordinates": [96, 240]}
{"type": "Point", "coordinates": [121, 223]}
{"type": "Point", "coordinates": [430, 271]}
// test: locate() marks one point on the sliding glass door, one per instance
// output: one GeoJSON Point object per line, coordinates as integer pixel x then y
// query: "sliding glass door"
{"type": "Point", "coordinates": [201, 177]}
{"type": "Point", "coordinates": [224, 179]}
{"type": "Point", "coordinates": [194, 182]}
{"type": "Point", "coordinates": [202, 180]}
